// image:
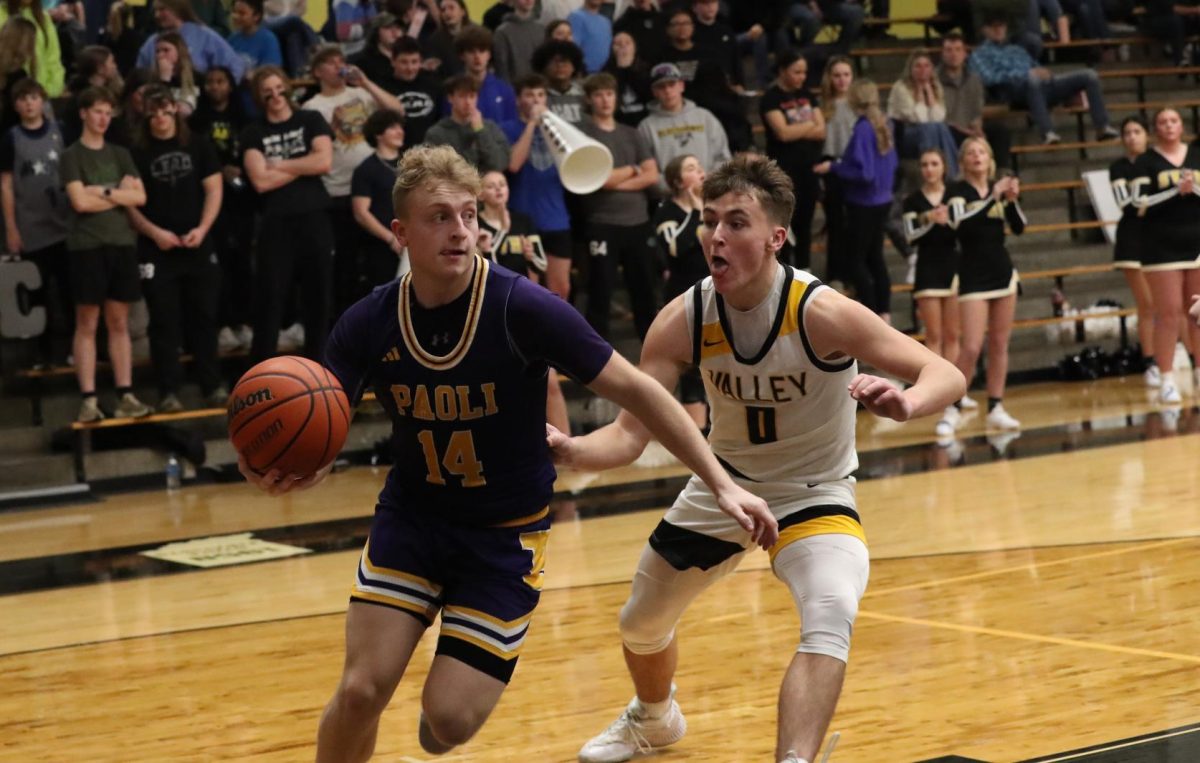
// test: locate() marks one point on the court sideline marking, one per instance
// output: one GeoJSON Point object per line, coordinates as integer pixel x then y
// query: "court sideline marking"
{"type": "Point", "coordinates": [1032, 566]}
{"type": "Point", "coordinates": [1023, 636]}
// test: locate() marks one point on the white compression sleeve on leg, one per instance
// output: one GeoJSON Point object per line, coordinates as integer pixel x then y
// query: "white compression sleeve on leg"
{"type": "Point", "coordinates": [660, 594]}
{"type": "Point", "coordinates": [827, 575]}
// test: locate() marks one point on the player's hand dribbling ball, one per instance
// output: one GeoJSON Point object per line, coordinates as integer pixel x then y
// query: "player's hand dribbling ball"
{"type": "Point", "coordinates": [288, 415]}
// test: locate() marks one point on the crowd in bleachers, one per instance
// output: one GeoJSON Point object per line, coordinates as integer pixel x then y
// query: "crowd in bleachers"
{"type": "Point", "coordinates": [231, 165]}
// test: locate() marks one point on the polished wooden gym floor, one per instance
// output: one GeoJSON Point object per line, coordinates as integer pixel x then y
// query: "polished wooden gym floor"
{"type": "Point", "coordinates": [1028, 597]}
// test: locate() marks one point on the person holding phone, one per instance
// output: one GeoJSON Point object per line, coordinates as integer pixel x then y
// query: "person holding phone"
{"type": "Point", "coordinates": [346, 99]}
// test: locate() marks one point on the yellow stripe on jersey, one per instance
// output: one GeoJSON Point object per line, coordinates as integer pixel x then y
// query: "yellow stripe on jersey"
{"type": "Point", "coordinates": [526, 520]}
{"type": "Point", "coordinates": [713, 342]}
{"type": "Point", "coordinates": [791, 318]}
{"type": "Point", "coordinates": [833, 525]}
{"type": "Point", "coordinates": [450, 360]}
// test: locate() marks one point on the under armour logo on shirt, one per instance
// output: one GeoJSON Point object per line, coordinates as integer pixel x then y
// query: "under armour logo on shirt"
{"type": "Point", "coordinates": [440, 339]}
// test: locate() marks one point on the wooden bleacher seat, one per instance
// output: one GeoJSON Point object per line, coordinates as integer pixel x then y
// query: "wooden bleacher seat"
{"type": "Point", "coordinates": [36, 377]}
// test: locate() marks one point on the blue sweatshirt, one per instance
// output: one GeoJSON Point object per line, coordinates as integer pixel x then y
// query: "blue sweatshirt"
{"type": "Point", "coordinates": [866, 175]}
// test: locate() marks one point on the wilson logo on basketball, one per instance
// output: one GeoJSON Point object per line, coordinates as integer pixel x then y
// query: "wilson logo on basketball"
{"type": "Point", "coordinates": [240, 404]}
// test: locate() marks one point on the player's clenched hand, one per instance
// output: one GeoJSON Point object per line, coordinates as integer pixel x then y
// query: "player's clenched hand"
{"type": "Point", "coordinates": [880, 397]}
{"type": "Point", "coordinates": [276, 482]}
{"type": "Point", "coordinates": [560, 445]}
{"type": "Point", "coordinates": [752, 513]}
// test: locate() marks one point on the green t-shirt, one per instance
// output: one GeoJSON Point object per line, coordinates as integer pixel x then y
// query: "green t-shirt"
{"type": "Point", "coordinates": [105, 167]}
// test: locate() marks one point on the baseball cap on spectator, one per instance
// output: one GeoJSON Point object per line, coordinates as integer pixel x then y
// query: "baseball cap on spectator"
{"type": "Point", "coordinates": [386, 19]}
{"type": "Point", "coordinates": [665, 72]}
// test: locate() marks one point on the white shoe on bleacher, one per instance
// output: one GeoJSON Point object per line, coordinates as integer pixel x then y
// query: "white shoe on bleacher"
{"type": "Point", "coordinates": [291, 338]}
{"type": "Point", "coordinates": [227, 341]}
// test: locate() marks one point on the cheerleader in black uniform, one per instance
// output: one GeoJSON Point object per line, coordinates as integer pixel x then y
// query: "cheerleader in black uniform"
{"type": "Point", "coordinates": [510, 239]}
{"type": "Point", "coordinates": [927, 226]}
{"type": "Point", "coordinates": [1167, 196]}
{"type": "Point", "coordinates": [513, 240]}
{"type": "Point", "coordinates": [1127, 254]}
{"type": "Point", "coordinates": [677, 227]}
{"type": "Point", "coordinates": [987, 289]}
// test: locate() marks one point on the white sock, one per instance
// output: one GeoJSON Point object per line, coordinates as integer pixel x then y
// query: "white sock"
{"type": "Point", "coordinates": [1168, 377]}
{"type": "Point", "coordinates": [653, 709]}
{"type": "Point", "coordinates": [793, 758]}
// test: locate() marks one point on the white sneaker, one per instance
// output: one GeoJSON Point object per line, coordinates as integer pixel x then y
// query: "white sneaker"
{"type": "Point", "coordinates": [1153, 377]}
{"type": "Point", "coordinates": [1051, 139]}
{"type": "Point", "coordinates": [967, 403]}
{"type": "Point", "coordinates": [630, 734]}
{"type": "Point", "coordinates": [948, 423]}
{"type": "Point", "coordinates": [998, 418]}
{"type": "Point", "coordinates": [245, 336]}
{"type": "Point", "coordinates": [227, 341]}
{"type": "Point", "coordinates": [1168, 394]}
{"type": "Point", "coordinates": [291, 339]}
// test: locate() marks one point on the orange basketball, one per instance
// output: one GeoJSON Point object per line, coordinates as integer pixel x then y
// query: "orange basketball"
{"type": "Point", "coordinates": [288, 413]}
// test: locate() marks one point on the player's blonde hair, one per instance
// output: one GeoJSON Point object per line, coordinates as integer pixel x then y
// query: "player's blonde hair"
{"type": "Point", "coordinates": [758, 176]}
{"type": "Point", "coordinates": [423, 166]}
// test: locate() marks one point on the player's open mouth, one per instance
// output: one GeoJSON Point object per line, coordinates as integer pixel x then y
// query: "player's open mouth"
{"type": "Point", "coordinates": [718, 265]}
{"type": "Point", "coordinates": [454, 252]}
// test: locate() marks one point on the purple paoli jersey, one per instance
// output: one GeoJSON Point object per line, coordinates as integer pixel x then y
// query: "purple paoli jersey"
{"type": "Point", "coordinates": [468, 405]}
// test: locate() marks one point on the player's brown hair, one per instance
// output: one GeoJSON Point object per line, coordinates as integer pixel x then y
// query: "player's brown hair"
{"type": "Point", "coordinates": [758, 176]}
{"type": "Point", "coordinates": [426, 165]}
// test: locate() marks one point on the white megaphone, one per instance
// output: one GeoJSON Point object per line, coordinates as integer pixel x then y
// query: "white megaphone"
{"type": "Point", "coordinates": [584, 164]}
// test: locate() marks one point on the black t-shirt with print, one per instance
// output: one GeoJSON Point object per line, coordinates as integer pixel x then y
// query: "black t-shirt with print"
{"type": "Point", "coordinates": [421, 98]}
{"type": "Point", "coordinates": [173, 174]}
{"type": "Point", "coordinates": [375, 178]}
{"type": "Point", "coordinates": [290, 139]}
{"type": "Point", "coordinates": [797, 108]}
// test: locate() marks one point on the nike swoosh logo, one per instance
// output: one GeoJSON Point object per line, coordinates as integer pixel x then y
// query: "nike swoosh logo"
{"type": "Point", "coordinates": [713, 344]}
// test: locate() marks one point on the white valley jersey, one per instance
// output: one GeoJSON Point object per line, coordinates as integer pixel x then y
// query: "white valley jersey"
{"type": "Point", "coordinates": [779, 413]}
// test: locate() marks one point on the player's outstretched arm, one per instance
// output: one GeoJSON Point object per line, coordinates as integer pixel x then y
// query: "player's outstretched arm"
{"type": "Point", "coordinates": [646, 395]}
{"type": "Point", "coordinates": [838, 326]}
{"type": "Point", "coordinates": [665, 353]}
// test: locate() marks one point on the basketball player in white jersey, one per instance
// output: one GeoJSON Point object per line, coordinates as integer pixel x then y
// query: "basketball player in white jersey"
{"type": "Point", "coordinates": [777, 351]}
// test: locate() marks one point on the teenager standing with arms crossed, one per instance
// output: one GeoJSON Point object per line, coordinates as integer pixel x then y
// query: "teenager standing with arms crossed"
{"type": "Point", "coordinates": [286, 153]}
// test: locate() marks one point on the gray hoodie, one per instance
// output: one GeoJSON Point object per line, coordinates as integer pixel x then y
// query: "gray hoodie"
{"type": "Point", "coordinates": [513, 45]}
{"type": "Point", "coordinates": [694, 130]}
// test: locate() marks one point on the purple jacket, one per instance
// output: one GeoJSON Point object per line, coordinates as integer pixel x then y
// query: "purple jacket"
{"type": "Point", "coordinates": [867, 176]}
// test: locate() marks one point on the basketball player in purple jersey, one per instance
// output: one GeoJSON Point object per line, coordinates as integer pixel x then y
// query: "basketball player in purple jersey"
{"type": "Point", "coordinates": [457, 352]}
